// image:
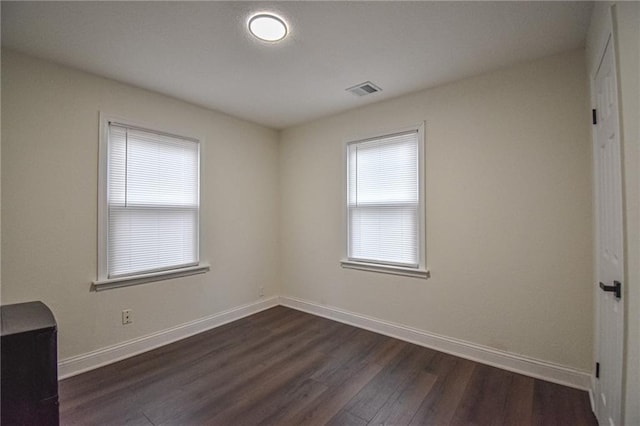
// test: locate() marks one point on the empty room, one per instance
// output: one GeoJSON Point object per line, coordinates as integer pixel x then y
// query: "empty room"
{"type": "Point", "coordinates": [310, 213]}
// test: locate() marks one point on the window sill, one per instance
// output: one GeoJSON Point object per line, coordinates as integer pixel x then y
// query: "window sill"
{"type": "Point", "coordinates": [386, 269]}
{"type": "Point", "coordinates": [110, 283]}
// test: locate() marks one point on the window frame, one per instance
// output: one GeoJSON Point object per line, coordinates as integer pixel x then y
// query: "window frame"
{"type": "Point", "coordinates": [421, 270]}
{"type": "Point", "coordinates": [103, 281]}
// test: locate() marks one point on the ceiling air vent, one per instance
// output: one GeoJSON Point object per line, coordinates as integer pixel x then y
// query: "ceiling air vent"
{"type": "Point", "coordinates": [365, 88]}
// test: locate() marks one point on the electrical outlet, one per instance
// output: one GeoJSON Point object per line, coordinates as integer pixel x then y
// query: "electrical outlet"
{"type": "Point", "coordinates": [261, 291]}
{"type": "Point", "coordinates": [127, 316]}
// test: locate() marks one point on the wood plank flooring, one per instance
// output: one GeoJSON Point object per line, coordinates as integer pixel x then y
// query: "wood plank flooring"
{"type": "Point", "coordinates": [284, 367]}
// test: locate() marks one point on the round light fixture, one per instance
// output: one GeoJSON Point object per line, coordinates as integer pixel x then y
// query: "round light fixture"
{"type": "Point", "coordinates": [268, 27]}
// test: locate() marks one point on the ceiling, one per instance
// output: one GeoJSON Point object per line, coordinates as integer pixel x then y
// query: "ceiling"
{"type": "Point", "coordinates": [202, 53]}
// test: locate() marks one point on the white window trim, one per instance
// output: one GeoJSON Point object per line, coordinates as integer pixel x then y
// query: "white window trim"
{"type": "Point", "coordinates": [421, 271]}
{"type": "Point", "coordinates": [109, 283]}
{"type": "Point", "coordinates": [103, 282]}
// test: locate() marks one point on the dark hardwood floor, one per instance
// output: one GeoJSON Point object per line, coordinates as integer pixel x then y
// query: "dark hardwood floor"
{"type": "Point", "coordinates": [282, 367]}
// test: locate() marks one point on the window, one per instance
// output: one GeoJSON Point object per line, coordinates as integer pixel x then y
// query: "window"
{"type": "Point", "coordinates": [385, 204]}
{"type": "Point", "coordinates": [150, 205]}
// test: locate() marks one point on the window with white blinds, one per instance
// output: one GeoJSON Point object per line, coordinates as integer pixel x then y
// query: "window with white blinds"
{"type": "Point", "coordinates": [384, 201]}
{"type": "Point", "coordinates": [152, 201]}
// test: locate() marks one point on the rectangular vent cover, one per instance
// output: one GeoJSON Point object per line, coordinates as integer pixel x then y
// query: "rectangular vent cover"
{"type": "Point", "coordinates": [365, 88]}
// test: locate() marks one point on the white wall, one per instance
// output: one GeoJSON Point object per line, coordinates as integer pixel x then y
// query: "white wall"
{"type": "Point", "coordinates": [626, 18]}
{"type": "Point", "coordinates": [509, 217]}
{"type": "Point", "coordinates": [49, 199]}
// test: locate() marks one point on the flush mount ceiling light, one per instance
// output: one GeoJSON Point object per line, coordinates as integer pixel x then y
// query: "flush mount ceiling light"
{"type": "Point", "coordinates": [268, 27]}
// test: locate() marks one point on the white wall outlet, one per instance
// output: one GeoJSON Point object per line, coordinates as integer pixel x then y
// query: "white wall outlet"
{"type": "Point", "coordinates": [261, 291]}
{"type": "Point", "coordinates": [127, 316]}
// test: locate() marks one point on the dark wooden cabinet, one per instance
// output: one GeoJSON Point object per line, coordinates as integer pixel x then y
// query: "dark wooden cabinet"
{"type": "Point", "coordinates": [29, 373]}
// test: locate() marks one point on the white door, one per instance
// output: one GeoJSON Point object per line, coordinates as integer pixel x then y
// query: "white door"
{"type": "Point", "coordinates": [608, 173]}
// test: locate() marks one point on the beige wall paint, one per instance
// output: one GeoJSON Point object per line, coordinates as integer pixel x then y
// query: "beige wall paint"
{"type": "Point", "coordinates": [627, 19]}
{"type": "Point", "coordinates": [49, 199]}
{"type": "Point", "coordinates": [0, 170]}
{"type": "Point", "coordinates": [626, 27]}
{"type": "Point", "coordinates": [509, 215]}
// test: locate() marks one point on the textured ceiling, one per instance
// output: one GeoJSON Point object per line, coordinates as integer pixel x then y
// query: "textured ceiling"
{"type": "Point", "coordinates": [202, 53]}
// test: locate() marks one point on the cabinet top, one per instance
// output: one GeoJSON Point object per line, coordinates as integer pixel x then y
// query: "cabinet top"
{"type": "Point", "coordinates": [26, 317]}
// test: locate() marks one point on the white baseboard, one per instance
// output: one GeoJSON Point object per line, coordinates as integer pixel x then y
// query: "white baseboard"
{"type": "Point", "coordinates": [592, 400]}
{"type": "Point", "coordinates": [505, 360]}
{"type": "Point", "coordinates": [78, 364]}
{"type": "Point", "coordinates": [508, 361]}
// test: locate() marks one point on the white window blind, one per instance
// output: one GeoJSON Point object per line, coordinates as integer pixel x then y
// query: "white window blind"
{"type": "Point", "coordinates": [153, 201]}
{"type": "Point", "coordinates": [383, 200]}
